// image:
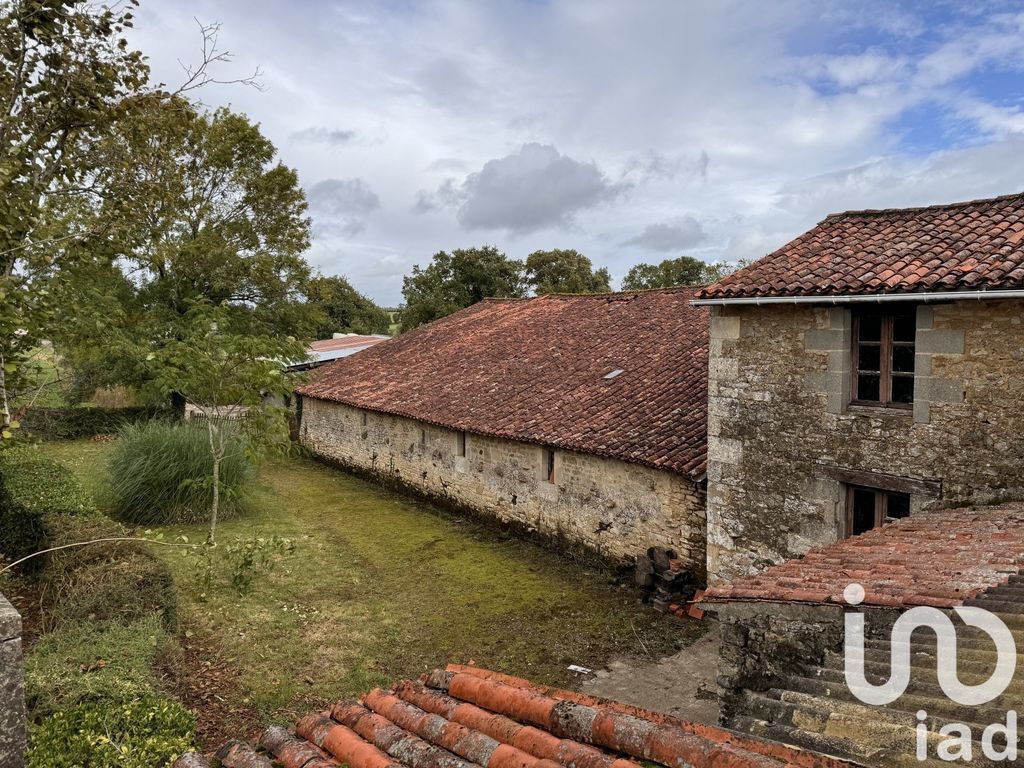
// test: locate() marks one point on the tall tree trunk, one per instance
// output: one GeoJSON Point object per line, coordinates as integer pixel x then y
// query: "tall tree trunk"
{"type": "Point", "coordinates": [5, 408]}
{"type": "Point", "coordinates": [216, 450]}
{"type": "Point", "coordinates": [178, 402]}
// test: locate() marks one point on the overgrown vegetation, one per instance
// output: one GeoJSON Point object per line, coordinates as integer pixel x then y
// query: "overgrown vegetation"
{"type": "Point", "coordinates": [160, 473]}
{"type": "Point", "coordinates": [382, 587]}
{"type": "Point", "coordinates": [231, 378]}
{"type": "Point", "coordinates": [110, 579]}
{"type": "Point", "coordinates": [108, 606]}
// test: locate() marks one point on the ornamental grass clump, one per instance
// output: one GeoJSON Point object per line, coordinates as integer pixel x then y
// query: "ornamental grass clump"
{"type": "Point", "coordinates": [162, 472]}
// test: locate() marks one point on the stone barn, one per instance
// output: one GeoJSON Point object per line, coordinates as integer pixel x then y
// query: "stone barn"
{"type": "Point", "coordinates": [868, 370]}
{"type": "Point", "coordinates": [580, 418]}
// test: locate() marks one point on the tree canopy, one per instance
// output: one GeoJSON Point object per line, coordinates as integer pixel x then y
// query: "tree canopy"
{"type": "Point", "coordinates": [453, 281]}
{"type": "Point", "coordinates": [65, 70]}
{"type": "Point", "coordinates": [342, 309]}
{"type": "Point", "coordinates": [683, 270]}
{"type": "Point", "coordinates": [195, 209]}
{"type": "Point", "coordinates": [565, 271]}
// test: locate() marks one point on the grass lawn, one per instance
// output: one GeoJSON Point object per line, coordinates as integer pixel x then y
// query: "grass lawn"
{"type": "Point", "coordinates": [381, 587]}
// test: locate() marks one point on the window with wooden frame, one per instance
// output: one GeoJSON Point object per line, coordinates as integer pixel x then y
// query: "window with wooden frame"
{"type": "Point", "coordinates": [460, 440]}
{"type": "Point", "coordinates": [883, 359]}
{"type": "Point", "coordinates": [868, 508]}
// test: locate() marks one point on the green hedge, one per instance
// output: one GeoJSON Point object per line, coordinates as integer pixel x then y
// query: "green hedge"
{"type": "Point", "coordinates": [73, 423]}
{"type": "Point", "coordinates": [147, 733]}
{"type": "Point", "coordinates": [34, 489]}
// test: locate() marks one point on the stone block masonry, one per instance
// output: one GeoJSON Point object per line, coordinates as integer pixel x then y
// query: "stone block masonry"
{"type": "Point", "coordinates": [611, 507]}
{"type": "Point", "coordinates": [782, 431]}
{"type": "Point", "coordinates": [12, 689]}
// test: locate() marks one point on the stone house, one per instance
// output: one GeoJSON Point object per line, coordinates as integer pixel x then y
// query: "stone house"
{"type": "Point", "coordinates": [868, 370]}
{"type": "Point", "coordinates": [581, 418]}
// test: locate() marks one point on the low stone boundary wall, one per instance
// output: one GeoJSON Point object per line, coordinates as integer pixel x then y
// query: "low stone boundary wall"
{"type": "Point", "coordinates": [12, 688]}
{"type": "Point", "coordinates": [763, 643]}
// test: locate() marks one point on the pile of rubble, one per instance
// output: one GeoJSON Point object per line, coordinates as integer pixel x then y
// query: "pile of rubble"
{"type": "Point", "coordinates": [667, 583]}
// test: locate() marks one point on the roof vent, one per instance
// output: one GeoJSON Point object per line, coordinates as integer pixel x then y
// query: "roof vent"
{"type": "Point", "coordinates": [613, 374]}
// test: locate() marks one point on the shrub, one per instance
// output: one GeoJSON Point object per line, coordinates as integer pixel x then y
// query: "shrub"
{"type": "Point", "coordinates": [147, 733]}
{"type": "Point", "coordinates": [92, 661]}
{"type": "Point", "coordinates": [120, 580]}
{"type": "Point", "coordinates": [33, 489]}
{"type": "Point", "coordinates": [73, 423]}
{"type": "Point", "coordinates": [161, 472]}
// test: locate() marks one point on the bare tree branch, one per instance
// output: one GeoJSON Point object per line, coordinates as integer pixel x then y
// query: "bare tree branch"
{"type": "Point", "coordinates": [198, 75]}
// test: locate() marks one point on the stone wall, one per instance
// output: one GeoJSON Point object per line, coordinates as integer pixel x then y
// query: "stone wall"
{"type": "Point", "coordinates": [781, 432]}
{"type": "Point", "coordinates": [12, 689]}
{"type": "Point", "coordinates": [763, 645]}
{"type": "Point", "coordinates": [614, 508]}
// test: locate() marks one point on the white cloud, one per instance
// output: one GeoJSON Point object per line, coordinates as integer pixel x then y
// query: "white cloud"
{"type": "Point", "coordinates": [448, 123]}
{"type": "Point", "coordinates": [665, 237]}
{"type": "Point", "coordinates": [852, 70]}
{"type": "Point", "coordinates": [321, 135]}
{"type": "Point", "coordinates": [534, 188]}
{"type": "Point", "coordinates": [341, 206]}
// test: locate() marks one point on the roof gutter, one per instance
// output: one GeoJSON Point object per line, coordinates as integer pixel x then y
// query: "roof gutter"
{"type": "Point", "coordinates": [878, 298]}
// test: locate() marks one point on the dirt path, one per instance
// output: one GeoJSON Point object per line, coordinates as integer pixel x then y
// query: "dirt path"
{"type": "Point", "coordinates": [682, 685]}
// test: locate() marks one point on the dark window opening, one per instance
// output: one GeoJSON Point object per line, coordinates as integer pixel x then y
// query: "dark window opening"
{"type": "Point", "coordinates": [548, 469]}
{"type": "Point", "coordinates": [461, 439]}
{"type": "Point", "coordinates": [423, 437]}
{"type": "Point", "coordinates": [883, 359]}
{"type": "Point", "coordinates": [868, 508]}
{"type": "Point", "coordinates": [365, 418]}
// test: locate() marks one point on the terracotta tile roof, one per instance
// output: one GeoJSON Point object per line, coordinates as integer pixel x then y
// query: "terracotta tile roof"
{"type": "Point", "coordinates": [973, 246]}
{"type": "Point", "coordinates": [938, 558]}
{"type": "Point", "coordinates": [466, 717]}
{"type": "Point", "coordinates": [540, 370]}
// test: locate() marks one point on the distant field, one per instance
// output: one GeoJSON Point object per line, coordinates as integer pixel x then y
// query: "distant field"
{"type": "Point", "coordinates": [395, 326]}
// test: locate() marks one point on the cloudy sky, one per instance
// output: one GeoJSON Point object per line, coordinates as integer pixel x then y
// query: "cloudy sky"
{"type": "Point", "coordinates": [632, 131]}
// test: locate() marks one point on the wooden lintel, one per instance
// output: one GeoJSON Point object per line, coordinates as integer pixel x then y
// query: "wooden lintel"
{"type": "Point", "coordinates": [881, 480]}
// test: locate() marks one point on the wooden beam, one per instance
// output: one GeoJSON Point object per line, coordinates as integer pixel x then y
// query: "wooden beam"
{"type": "Point", "coordinates": [881, 480]}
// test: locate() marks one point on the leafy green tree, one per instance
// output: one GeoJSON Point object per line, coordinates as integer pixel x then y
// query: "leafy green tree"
{"type": "Point", "coordinates": [230, 375]}
{"type": "Point", "coordinates": [65, 71]}
{"type": "Point", "coordinates": [198, 211]}
{"type": "Point", "coordinates": [342, 309]}
{"type": "Point", "coordinates": [565, 271]}
{"type": "Point", "coordinates": [684, 270]}
{"type": "Point", "coordinates": [453, 281]}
